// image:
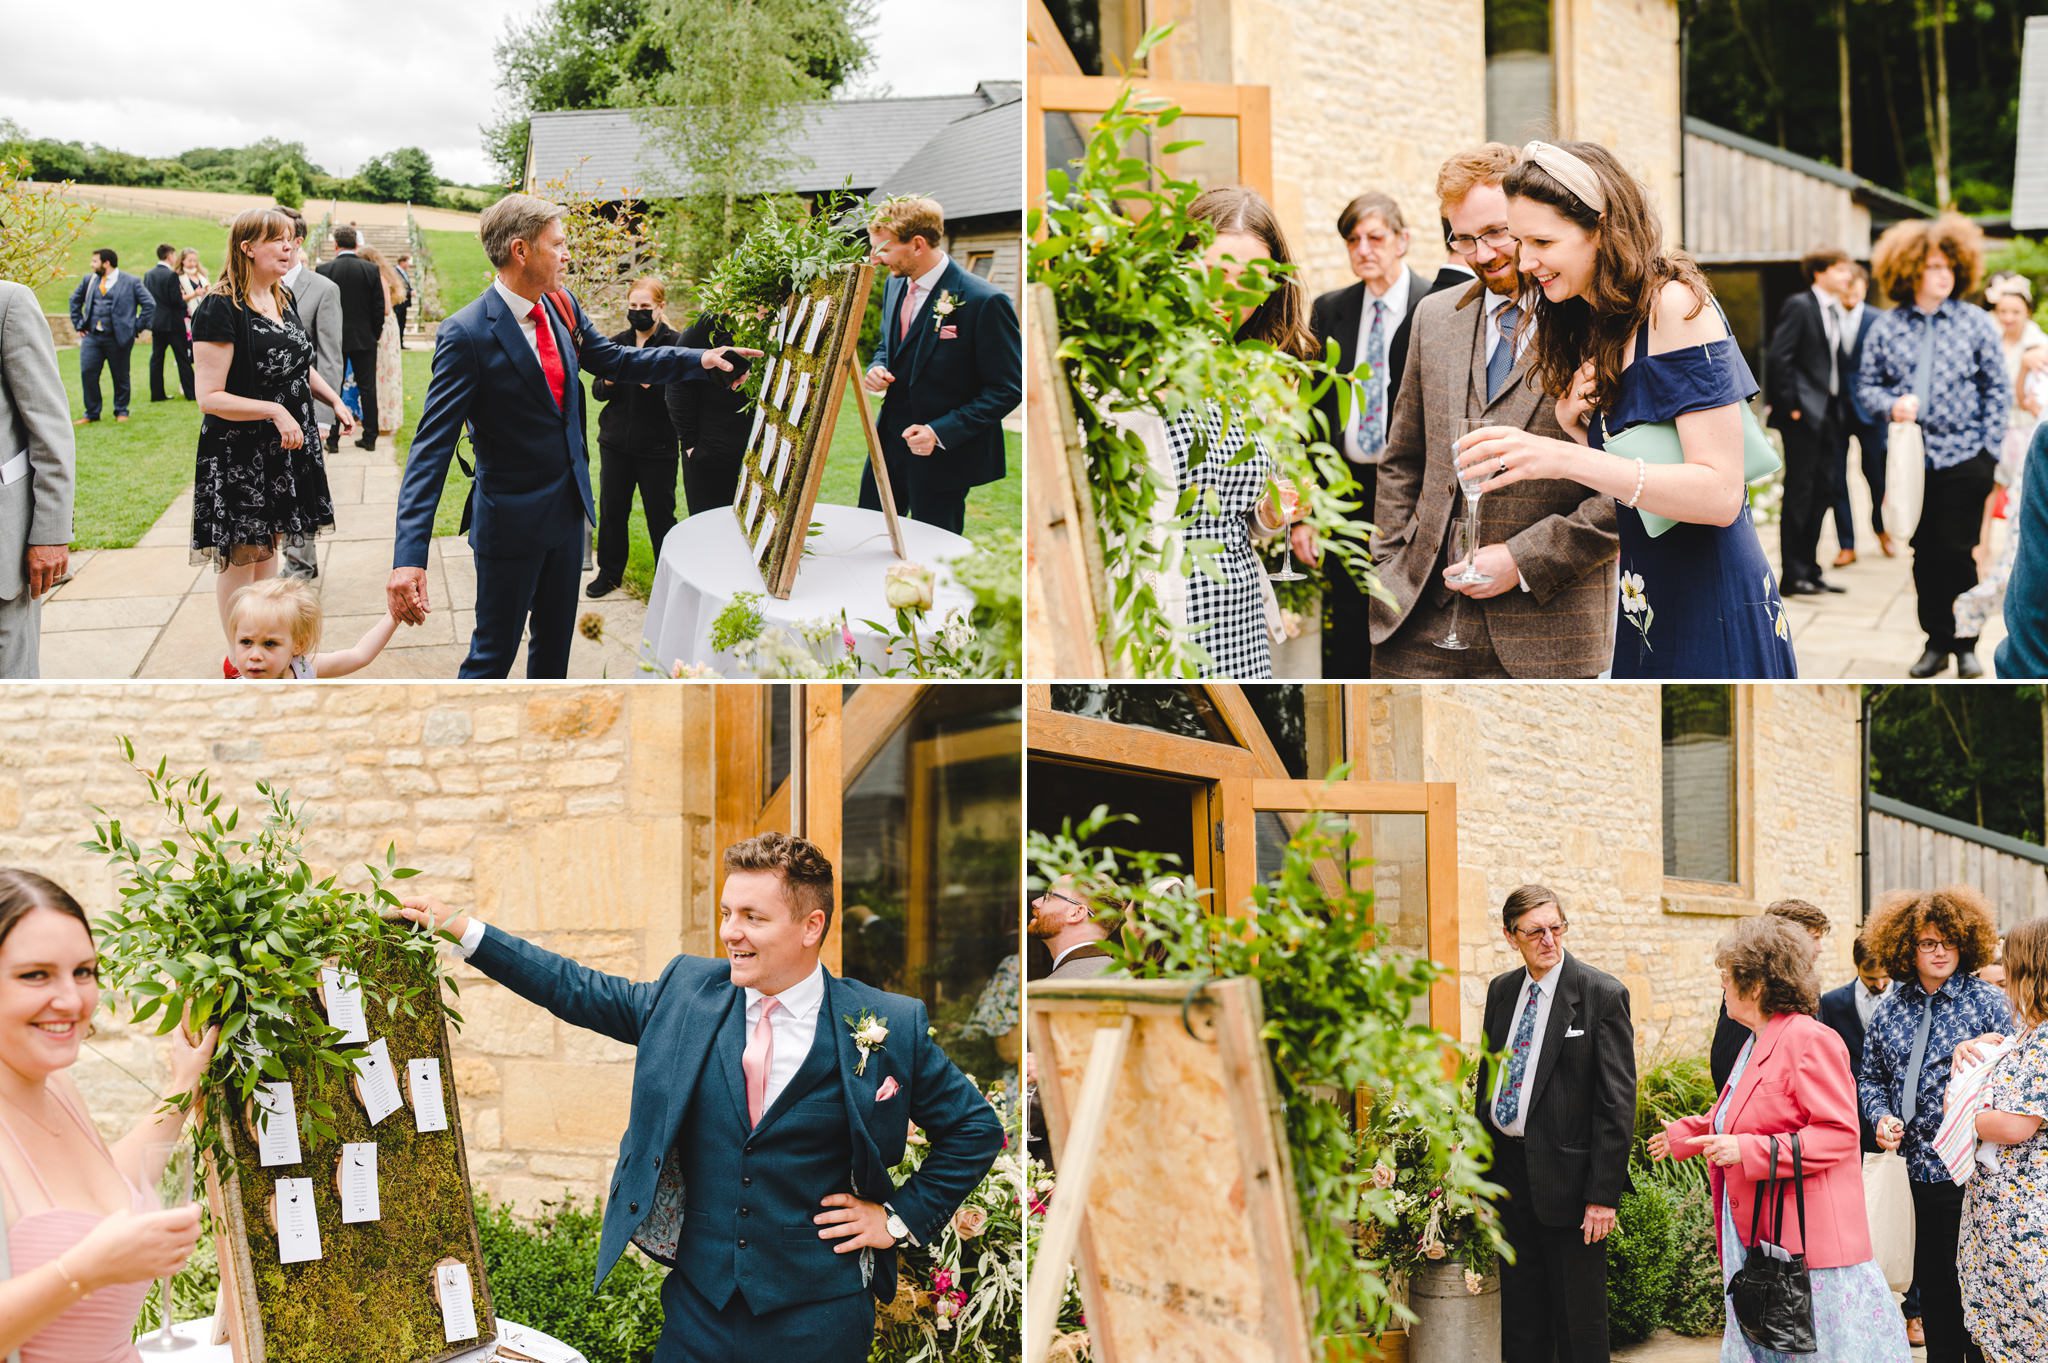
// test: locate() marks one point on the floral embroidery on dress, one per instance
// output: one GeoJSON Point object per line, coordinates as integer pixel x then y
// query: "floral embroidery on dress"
{"type": "Point", "coordinates": [1774, 611]}
{"type": "Point", "coordinates": [1635, 604]}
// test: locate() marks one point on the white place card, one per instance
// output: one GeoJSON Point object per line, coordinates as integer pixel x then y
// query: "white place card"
{"type": "Point", "coordinates": [298, 1224]}
{"type": "Point", "coordinates": [761, 545]}
{"type": "Point", "coordinates": [796, 322]}
{"type": "Point", "coordinates": [359, 1183]}
{"type": "Point", "coordinates": [429, 1107]}
{"type": "Point", "coordinates": [342, 993]}
{"type": "Point", "coordinates": [277, 1126]}
{"type": "Point", "coordinates": [517, 1341]}
{"type": "Point", "coordinates": [376, 1085]}
{"type": "Point", "coordinates": [796, 405]}
{"type": "Point", "coordinates": [760, 415]}
{"type": "Point", "coordinates": [768, 378]}
{"type": "Point", "coordinates": [817, 325]}
{"type": "Point", "coordinates": [457, 1298]}
{"type": "Point", "coordinates": [768, 528]}
{"type": "Point", "coordinates": [782, 389]}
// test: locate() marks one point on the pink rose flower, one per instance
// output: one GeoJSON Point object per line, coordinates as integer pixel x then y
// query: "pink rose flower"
{"type": "Point", "coordinates": [969, 1222]}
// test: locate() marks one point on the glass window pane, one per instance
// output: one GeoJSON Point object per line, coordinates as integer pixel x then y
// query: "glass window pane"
{"type": "Point", "coordinates": [1178, 710]}
{"type": "Point", "coordinates": [776, 771]}
{"type": "Point", "coordinates": [930, 880]}
{"type": "Point", "coordinates": [1100, 34]}
{"type": "Point", "coordinates": [1304, 723]}
{"type": "Point", "coordinates": [1521, 76]}
{"type": "Point", "coordinates": [1699, 782]}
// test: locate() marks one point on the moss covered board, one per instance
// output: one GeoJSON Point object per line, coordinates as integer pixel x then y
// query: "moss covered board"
{"type": "Point", "coordinates": [370, 1298]}
{"type": "Point", "coordinates": [809, 362]}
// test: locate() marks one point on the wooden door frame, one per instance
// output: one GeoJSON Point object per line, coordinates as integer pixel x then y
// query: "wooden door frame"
{"type": "Point", "coordinates": [1249, 106]}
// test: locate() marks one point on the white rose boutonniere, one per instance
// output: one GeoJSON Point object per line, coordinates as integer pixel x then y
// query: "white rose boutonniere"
{"type": "Point", "coordinates": [868, 1035]}
{"type": "Point", "coordinates": [942, 308]}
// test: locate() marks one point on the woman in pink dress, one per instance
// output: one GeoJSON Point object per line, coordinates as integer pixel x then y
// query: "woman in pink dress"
{"type": "Point", "coordinates": [85, 1237]}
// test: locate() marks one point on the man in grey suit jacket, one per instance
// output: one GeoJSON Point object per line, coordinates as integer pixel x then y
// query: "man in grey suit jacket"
{"type": "Point", "coordinates": [1072, 931]}
{"type": "Point", "coordinates": [318, 303]}
{"type": "Point", "coordinates": [36, 471]}
{"type": "Point", "coordinates": [1549, 546]}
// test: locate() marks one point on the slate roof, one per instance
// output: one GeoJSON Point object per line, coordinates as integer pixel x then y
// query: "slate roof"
{"type": "Point", "coordinates": [972, 167]}
{"type": "Point", "coordinates": [1891, 203]}
{"type": "Point", "coordinates": [864, 141]}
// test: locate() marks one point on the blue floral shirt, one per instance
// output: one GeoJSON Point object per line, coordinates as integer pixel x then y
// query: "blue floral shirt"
{"type": "Point", "coordinates": [1964, 1007]}
{"type": "Point", "coordinates": [1967, 401]}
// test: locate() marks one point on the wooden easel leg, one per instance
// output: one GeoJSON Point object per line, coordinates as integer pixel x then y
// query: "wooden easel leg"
{"type": "Point", "coordinates": [879, 465]}
{"type": "Point", "coordinates": [1077, 1166]}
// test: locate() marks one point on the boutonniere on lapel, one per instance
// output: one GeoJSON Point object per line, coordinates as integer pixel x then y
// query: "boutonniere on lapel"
{"type": "Point", "coordinates": [868, 1035]}
{"type": "Point", "coordinates": [942, 308]}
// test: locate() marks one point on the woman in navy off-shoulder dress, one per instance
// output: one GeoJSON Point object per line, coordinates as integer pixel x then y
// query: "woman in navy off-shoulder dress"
{"type": "Point", "coordinates": [1626, 335]}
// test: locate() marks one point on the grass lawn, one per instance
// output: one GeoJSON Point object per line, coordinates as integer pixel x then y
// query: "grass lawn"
{"type": "Point", "coordinates": [996, 504]}
{"type": "Point", "coordinates": [134, 237]}
{"type": "Point", "coordinates": [460, 265]}
{"type": "Point", "coordinates": [128, 473]}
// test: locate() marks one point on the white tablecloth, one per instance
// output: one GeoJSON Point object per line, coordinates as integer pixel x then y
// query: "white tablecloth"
{"type": "Point", "coordinates": [201, 1331]}
{"type": "Point", "coordinates": [705, 563]}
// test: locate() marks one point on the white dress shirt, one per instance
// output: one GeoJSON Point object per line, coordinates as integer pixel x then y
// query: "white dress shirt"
{"type": "Point", "coordinates": [1494, 302]}
{"type": "Point", "coordinates": [1396, 300]}
{"type": "Point", "coordinates": [795, 1023]}
{"type": "Point", "coordinates": [1831, 324]}
{"type": "Point", "coordinates": [1866, 1002]}
{"type": "Point", "coordinates": [521, 307]}
{"type": "Point", "coordinates": [921, 288]}
{"type": "Point", "coordinates": [1546, 990]}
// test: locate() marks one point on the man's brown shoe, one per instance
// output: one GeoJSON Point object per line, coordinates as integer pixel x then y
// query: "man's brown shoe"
{"type": "Point", "coordinates": [86, 421]}
{"type": "Point", "coordinates": [1915, 1335]}
{"type": "Point", "coordinates": [1884, 542]}
{"type": "Point", "coordinates": [122, 417]}
{"type": "Point", "coordinates": [1844, 558]}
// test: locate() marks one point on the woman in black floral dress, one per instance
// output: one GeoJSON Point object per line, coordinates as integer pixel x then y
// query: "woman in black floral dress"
{"type": "Point", "coordinates": [259, 481]}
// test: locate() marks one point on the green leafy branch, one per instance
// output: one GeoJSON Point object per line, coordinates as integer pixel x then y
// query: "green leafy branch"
{"type": "Point", "coordinates": [790, 249]}
{"type": "Point", "coordinates": [216, 928]}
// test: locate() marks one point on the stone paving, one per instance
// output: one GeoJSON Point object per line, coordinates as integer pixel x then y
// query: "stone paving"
{"type": "Point", "coordinates": [150, 612]}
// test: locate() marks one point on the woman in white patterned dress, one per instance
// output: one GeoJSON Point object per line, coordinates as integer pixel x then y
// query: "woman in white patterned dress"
{"type": "Point", "coordinates": [1228, 612]}
{"type": "Point", "coordinates": [390, 374]}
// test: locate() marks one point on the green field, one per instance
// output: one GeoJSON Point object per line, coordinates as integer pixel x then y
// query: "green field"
{"type": "Point", "coordinates": [461, 266]}
{"type": "Point", "coordinates": [134, 237]}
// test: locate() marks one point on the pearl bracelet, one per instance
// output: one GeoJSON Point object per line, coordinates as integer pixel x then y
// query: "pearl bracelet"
{"type": "Point", "coordinates": [77, 1287]}
{"type": "Point", "coordinates": [1641, 469]}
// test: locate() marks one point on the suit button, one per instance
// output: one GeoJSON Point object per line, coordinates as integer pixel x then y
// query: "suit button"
{"type": "Point", "coordinates": [743, 1244]}
{"type": "Point", "coordinates": [747, 1149]}
{"type": "Point", "coordinates": [746, 1211]}
{"type": "Point", "coordinates": [632, 1206]}
{"type": "Point", "coordinates": [746, 1180]}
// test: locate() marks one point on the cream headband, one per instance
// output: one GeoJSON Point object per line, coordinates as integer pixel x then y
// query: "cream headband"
{"type": "Point", "coordinates": [2014, 285]}
{"type": "Point", "coordinates": [1569, 171]}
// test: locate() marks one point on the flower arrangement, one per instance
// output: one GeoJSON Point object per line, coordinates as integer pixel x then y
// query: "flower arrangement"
{"type": "Point", "coordinates": [1427, 1221]}
{"type": "Point", "coordinates": [790, 249]}
{"type": "Point", "coordinates": [961, 1296]}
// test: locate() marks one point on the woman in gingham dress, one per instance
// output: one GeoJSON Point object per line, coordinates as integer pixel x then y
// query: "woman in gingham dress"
{"type": "Point", "coordinates": [1228, 616]}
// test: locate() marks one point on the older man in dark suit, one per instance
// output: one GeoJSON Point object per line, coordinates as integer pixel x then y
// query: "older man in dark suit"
{"type": "Point", "coordinates": [951, 361]}
{"type": "Point", "coordinates": [1548, 546]}
{"type": "Point", "coordinates": [1561, 1109]}
{"type": "Point", "coordinates": [1370, 322]}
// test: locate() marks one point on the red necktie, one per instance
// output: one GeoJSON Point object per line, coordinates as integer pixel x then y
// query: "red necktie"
{"type": "Point", "coordinates": [550, 358]}
{"type": "Point", "coordinates": [909, 311]}
{"type": "Point", "coordinates": [754, 1062]}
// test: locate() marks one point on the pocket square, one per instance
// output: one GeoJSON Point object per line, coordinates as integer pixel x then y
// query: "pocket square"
{"type": "Point", "coordinates": [1571, 1032]}
{"type": "Point", "coordinates": [887, 1090]}
{"type": "Point", "coordinates": [949, 333]}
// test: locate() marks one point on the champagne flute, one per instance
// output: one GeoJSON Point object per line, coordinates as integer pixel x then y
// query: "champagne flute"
{"type": "Point", "coordinates": [1469, 480]}
{"type": "Point", "coordinates": [1461, 550]}
{"type": "Point", "coordinates": [173, 1160]}
{"type": "Point", "coordinates": [1288, 502]}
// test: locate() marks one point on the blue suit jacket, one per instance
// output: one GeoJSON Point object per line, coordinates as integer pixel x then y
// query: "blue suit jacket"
{"type": "Point", "coordinates": [1838, 1010]}
{"type": "Point", "coordinates": [131, 303]}
{"type": "Point", "coordinates": [2024, 652]}
{"type": "Point", "coordinates": [529, 453]}
{"type": "Point", "coordinates": [961, 386]}
{"type": "Point", "coordinates": [1853, 363]}
{"type": "Point", "coordinates": [675, 1020]}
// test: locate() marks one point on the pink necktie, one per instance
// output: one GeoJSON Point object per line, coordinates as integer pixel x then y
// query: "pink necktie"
{"type": "Point", "coordinates": [909, 310]}
{"type": "Point", "coordinates": [759, 1055]}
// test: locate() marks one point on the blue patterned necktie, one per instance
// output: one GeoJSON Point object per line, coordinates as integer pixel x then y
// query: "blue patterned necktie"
{"type": "Point", "coordinates": [1369, 432]}
{"type": "Point", "coordinates": [1917, 1061]}
{"type": "Point", "coordinates": [1509, 1103]}
{"type": "Point", "coordinates": [1503, 354]}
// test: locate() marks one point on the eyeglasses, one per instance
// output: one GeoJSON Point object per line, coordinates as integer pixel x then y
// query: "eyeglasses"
{"type": "Point", "coordinates": [1077, 903]}
{"type": "Point", "coordinates": [1496, 239]}
{"type": "Point", "coordinates": [1934, 944]}
{"type": "Point", "coordinates": [1556, 932]}
{"type": "Point", "coordinates": [1376, 240]}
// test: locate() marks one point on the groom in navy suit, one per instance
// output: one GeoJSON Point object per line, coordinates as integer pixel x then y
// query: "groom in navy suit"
{"type": "Point", "coordinates": [506, 368]}
{"type": "Point", "coordinates": [950, 361]}
{"type": "Point", "coordinates": [770, 1100]}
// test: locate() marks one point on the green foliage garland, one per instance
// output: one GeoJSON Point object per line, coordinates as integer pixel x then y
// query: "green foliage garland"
{"type": "Point", "coordinates": [789, 249]}
{"type": "Point", "coordinates": [1337, 1023]}
{"type": "Point", "coordinates": [1143, 327]}
{"type": "Point", "coordinates": [215, 928]}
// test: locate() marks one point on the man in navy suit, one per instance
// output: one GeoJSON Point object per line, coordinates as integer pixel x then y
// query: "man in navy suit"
{"type": "Point", "coordinates": [1806, 383]}
{"type": "Point", "coordinates": [949, 359]}
{"type": "Point", "coordinates": [770, 1100]}
{"type": "Point", "coordinates": [1848, 1010]}
{"type": "Point", "coordinates": [505, 368]}
{"type": "Point", "coordinates": [167, 325]}
{"type": "Point", "coordinates": [108, 310]}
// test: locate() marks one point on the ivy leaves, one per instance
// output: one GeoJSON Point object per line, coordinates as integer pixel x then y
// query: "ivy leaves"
{"type": "Point", "coordinates": [216, 927]}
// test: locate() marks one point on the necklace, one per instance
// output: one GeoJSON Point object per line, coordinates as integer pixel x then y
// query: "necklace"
{"type": "Point", "coordinates": [54, 1131]}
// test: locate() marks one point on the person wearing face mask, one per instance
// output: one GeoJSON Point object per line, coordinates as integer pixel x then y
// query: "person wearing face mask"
{"type": "Point", "coordinates": [1628, 334]}
{"type": "Point", "coordinates": [636, 443]}
{"type": "Point", "coordinates": [85, 1236]}
{"type": "Point", "coordinates": [771, 1099]}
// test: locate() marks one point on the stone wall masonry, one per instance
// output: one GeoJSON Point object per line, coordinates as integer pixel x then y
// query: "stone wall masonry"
{"type": "Point", "coordinates": [1561, 785]}
{"type": "Point", "coordinates": [580, 817]}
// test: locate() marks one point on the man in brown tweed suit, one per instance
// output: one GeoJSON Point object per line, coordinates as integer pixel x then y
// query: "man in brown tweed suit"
{"type": "Point", "coordinates": [1548, 545]}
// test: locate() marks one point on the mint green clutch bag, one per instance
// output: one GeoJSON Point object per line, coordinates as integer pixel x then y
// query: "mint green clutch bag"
{"type": "Point", "coordinates": [1656, 442]}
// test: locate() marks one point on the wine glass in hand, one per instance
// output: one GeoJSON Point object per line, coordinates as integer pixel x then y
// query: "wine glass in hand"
{"type": "Point", "coordinates": [1469, 482]}
{"type": "Point", "coordinates": [1461, 552]}
{"type": "Point", "coordinates": [174, 1188]}
{"type": "Point", "coordinates": [1289, 501]}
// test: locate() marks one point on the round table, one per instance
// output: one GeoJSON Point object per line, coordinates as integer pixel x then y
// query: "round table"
{"type": "Point", "coordinates": [705, 563]}
{"type": "Point", "coordinates": [200, 1331]}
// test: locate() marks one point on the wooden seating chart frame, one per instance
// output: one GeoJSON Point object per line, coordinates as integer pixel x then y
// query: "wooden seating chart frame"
{"type": "Point", "coordinates": [804, 378]}
{"type": "Point", "coordinates": [272, 1312]}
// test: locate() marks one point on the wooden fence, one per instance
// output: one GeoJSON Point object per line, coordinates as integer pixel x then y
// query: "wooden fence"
{"type": "Point", "coordinates": [1912, 849]}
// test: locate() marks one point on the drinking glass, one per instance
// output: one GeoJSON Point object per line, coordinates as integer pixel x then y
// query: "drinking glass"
{"type": "Point", "coordinates": [174, 1188]}
{"type": "Point", "coordinates": [1469, 480]}
{"type": "Point", "coordinates": [1461, 551]}
{"type": "Point", "coordinates": [1288, 501]}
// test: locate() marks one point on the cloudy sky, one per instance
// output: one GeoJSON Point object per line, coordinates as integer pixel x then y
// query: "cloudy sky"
{"type": "Point", "coordinates": [357, 80]}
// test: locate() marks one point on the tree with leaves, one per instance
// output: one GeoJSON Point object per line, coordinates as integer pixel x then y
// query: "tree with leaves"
{"type": "Point", "coordinates": [1972, 753]}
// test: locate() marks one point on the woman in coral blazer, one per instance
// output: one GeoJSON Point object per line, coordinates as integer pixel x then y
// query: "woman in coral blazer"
{"type": "Point", "coordinates": [1791, 1078]}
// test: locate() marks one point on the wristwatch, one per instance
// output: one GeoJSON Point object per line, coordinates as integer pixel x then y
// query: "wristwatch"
{"type": "Point", "coordinates": [898, 1231]}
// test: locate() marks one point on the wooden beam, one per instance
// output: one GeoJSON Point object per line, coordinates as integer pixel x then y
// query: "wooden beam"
{"type": "Point", "coordinates": [1101, 742]}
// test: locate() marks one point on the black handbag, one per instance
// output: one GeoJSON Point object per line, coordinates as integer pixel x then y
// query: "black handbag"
{"type": "Point", "coordinates": [1772, 1295]}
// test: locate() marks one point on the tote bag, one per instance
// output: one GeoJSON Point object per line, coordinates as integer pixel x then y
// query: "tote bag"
{"type": "Point", "coordinates": [1905, 478]}
{"type": "Point", "coordinates": [1888, 1204]}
